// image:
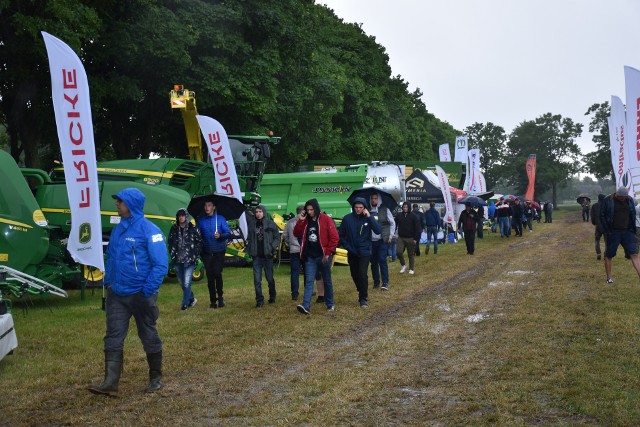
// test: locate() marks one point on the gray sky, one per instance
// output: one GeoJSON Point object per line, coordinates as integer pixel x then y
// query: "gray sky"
{"type": "Point", "coordinates": [505, 61]}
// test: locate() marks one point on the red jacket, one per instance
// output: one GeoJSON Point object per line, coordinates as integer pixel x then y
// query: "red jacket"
{"type": "Point", "coordinates": [327, 231]}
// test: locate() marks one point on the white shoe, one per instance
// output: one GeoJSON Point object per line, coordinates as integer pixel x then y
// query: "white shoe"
{"type": "Point", "coordinates": [403, 269]}
{"type": "Point", "coordinates": [411, 272]}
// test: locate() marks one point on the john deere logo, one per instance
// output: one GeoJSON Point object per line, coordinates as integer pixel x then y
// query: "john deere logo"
{"type": "Point", "coordinates": [85, 233]}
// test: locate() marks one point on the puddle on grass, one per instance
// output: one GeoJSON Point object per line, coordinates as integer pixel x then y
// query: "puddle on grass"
{"type": "Point", "coordinates": [476, 318]}
{"type": "Point", "coordinates": [443, 307]}
{"type": "Point", "coordinates": [499, 283]}
{"type": "Point", "coordinates": [520, 272]}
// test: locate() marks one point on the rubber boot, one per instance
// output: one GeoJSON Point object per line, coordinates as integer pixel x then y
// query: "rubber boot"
{"type": "Point", "coordinates": [112, 371]}
{"type": "Point", "coordinates": [155, 371]}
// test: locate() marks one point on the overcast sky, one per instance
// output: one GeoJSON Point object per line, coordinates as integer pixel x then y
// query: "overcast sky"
{"type": "Point", "coordinates": [505, 61]}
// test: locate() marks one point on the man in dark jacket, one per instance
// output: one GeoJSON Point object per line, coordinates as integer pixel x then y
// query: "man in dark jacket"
{"type": "Point", "coordinates": [355, 237]}
{"type": "Point", "coordinates": [409, 231]}
{"type": "Point", "coordinates": [185, 245]}
{"type": "Point", "coordinates": [432, 223]}
{"type": "Point", "coordinates": [137, 262]}
{"type": "Point", "coordinates": [468, 222]}
{"type": "Point", "coordinates": [595, 220]}
{"type": "Point", "coordinates": [420, 215]}
{"type": "Point", "coordinates": [518, 213]}
{"type": "Point", "coordinates": [618, 220]}
{"type": "Point", "coordinates": [263, 241]}
{"type": "Point", "coordinates": [318, 241]}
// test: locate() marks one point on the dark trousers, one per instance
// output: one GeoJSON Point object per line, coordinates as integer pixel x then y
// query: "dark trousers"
{"type": "Point", "coordinates": [470, 240]}
{"type": "Point", "coordinates": [599, 234]}
{"type": "Point", "coordinates": [213, 264]}
{"type": "Point", "coordinates": [480, 228]}
{"type": "Point", "coordinates": [295, 273]}
{"type": "Point", "coordinates": [265, 264]}
{"type": "Point", "coordinates": [517, 224]}
{"type": "Point", "coordinates": [145, 312]}
{"type": "Point", "coordinates": [359, 265]}
{"type": "Point", "coordinates": [585, 215]}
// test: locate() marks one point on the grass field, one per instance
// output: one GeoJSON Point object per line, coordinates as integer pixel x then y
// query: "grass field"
{"type": "Point", "coordinates": [525, 332]}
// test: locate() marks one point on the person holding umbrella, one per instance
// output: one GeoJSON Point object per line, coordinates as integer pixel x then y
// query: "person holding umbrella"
{"type": "Point", "coordinates": [468, 222]}
{"type": "Point", "coordinates": [215, 232]}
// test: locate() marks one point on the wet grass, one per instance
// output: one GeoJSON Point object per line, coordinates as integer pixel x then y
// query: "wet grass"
{"type": "Point", "coordinates": [524, 332]}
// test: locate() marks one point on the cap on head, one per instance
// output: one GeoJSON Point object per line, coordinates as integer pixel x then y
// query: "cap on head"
{"type": "Point", "coordinates": [622, 191]}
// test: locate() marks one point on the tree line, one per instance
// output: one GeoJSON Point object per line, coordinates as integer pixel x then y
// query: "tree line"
{"type": "Point", "coordinates": [288, 66]}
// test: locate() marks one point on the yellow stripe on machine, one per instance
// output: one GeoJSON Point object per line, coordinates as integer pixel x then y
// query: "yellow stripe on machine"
{"type": "Point", "coordinates": [10, 222]}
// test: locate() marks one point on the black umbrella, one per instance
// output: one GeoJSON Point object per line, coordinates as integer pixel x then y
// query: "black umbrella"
{"type": "Point", "coordinates": [582, 197]}
{"type": "Point", "coordinates": [474, 200]}
{"type": "Point", "coordinates": [227, 206]}
{"type": "Point", "coordinates": [365, 193]}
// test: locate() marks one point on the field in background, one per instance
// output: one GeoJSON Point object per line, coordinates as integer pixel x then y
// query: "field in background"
{"type": "Point", "coordinates": [524, 332]}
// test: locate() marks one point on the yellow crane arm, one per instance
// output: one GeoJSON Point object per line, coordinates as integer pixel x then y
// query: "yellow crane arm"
{"type": "Point", "coordinates": [185, 101]}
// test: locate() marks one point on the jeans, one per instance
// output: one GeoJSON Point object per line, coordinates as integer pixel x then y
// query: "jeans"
{"type": "Point", "coordinates": [503, 222]}
{"type": "Point", "coordinates": [145, 312]}
{"type": "Point", "coordinates": [295, 273]}
{"type": "Point", "coordinates": [379, 266]}
{"type": "Point", "coordinates": [432, 236]}
{"type": "Point", "coordinates": [311, 266]}
{"type": "Point", "coordinates": [258, 265]}
{"type": "Point", "coordinates": [184, 273]}
{"type": "Point", "coordinates": [393, 247]}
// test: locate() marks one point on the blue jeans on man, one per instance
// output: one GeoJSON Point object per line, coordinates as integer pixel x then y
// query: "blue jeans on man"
{"type": "Point", "coordinates": [432, 236]}
{"type": "Point", "coordinates": [393, 247]}
{"type": "Point", "coordinates": [265, 264]}
{"type": "Point", "coordinates": [311, 266]}
{"type": "Point", "coordinates": [184, 273]}
{"type": "Point", "coordinates": [504, 226]}
{"type": "Point", "coordinates": [294, 259]}
{"type": "Point", "coordinates": [379, 266]}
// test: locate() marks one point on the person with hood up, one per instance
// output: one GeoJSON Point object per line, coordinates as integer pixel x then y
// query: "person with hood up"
{"type": "Point", "coordinates": [595, 220]}
{"type": "Point", "coordinates": [263, 241]}
{"type": "Point", "coordinates": [380, 242]}
{"type": "Point", "coordinates": [136, 264]}
{"type": "Point", "coordinates": [468, 222]}
{"type": "Point", "coordinates": [215, 233]}
{"type": "Point", "coordinates": [409, 230]}
{"type": "Point", "coordinates": [618, 220]}
{"type": "Point", "coordinates": [318, 241]}
{"type": "Point", "coordinates": [185, 245]}
{"type": "Point", "coordinates": [355, 236]}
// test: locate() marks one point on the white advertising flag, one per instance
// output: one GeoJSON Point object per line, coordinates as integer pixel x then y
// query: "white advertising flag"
{"type": "Point", "coordinates": [461, 149]}
{"type": "Point", "coordinates": [472, 184]}
{"type": "Point", "coordinates": [631, 134]}
{"type": "Point", "coordinates": [445, 154]}
{"type": "Point", "coordinates": [619, 160]}
{"type": "Point", "coordinates": [483, 183]}
{"type": "Point", "coordinates": [223, 165]}
{"type": "Point", "coordinates": [446, 195]}
{"type": "Point", "coordinates": [72, 108]}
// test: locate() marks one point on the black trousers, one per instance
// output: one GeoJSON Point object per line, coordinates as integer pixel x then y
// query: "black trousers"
{"type": "Point", "coordinates": [213, 265]}
{"type": "Point", "coordinates": [359, 266]}
{"type": "Point", "coordinates": [470, 240]}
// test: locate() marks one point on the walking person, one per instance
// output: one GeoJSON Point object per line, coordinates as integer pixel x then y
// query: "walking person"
{"type": "Point", "coordinates": [503, 213]}
{"type": "Point", "coordinates": [263, 241]}
{"type": "Point", "coordinates": [319, 238]}
{"type": "Point", "coordinates": [409, 231]}
{"type": "Point", "coordinates": [586, 207]}
{"type": "Point", "coordinates": [468, 222]}
{"type": "Point", "coordinates": [432, 222]}
{"type": "Point", "coordinates": [618, 220]}
{"type": "Point", "coordinates": [491, 210]}
{"type": "Point", "coordinates": [215, 233]}
{"type": "Point", "coordinates": [599, 231]}
{"type": "Point", "coordinates": [380, 242]}
{"type": "Point", "coordinates": [416, 211]}
{"type": "Point", "coordinates": [480, 221]}
{"type": "Point", "coordinates": [517, 215]}
{"type": "Point", "coordinates": [185, 245]}
{"type": "Point", "coordinates": [355, 236]}
{"type": "Point", "coordinates": [136, 264]}
{"type": "Point", "coordinates": [292, 244]}
{"type": "Point", "coordinates": [529, 214]}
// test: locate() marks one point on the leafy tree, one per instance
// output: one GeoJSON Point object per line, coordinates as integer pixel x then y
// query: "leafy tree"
{"type": "Point", "coordinates": [598, 162]}
{"type": "Point", "coordinates": [552, 139]}
{"type": "Point", "coordinates": [490, 139]}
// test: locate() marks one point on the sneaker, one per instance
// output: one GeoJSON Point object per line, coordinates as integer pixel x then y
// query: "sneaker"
{"type": "Point", "coordinates": [385, 287]}
{"type": "Point", "coordinates": [302, 310]}
{"type": "Point", "coordinates": [376, 286]}
{"type": "Point", "coordinates": [364, 304]}
{"type": "Point", "coordinates": [320, 299]}
{"type": "Point", "coordinates": [272, 300]}
{"type": "Point", "coordinates": [184, 307]}
{"type": "Point", "coordinates": [294, 297]}
{"type": "Point", "coordinates": [332, 308]}
{"type": "Point", "coordinates": [259, 304]}
{"type": "Point", "coordinates": [221, 303]}
{"type": "Point", "coordinates": [213, 305]}
{"type": "Point", "coordinates": [599, 257]}
{"type": "Point", "coordinates": [193, 303]}
{"type": "Point", "coordinates": [411, 271]}
{"type": "Point", "coordinates": [609, 281]}
{"type": "Point", "coordinates": [403, 269]}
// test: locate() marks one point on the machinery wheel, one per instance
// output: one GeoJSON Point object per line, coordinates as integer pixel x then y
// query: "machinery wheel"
{"type": "Point", "coordinates": [197, 275]}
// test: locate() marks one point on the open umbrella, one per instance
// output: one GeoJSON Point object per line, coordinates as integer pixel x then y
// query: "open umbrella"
{"type": "Point", "coordinates": [474, 200]}
{"type": "Point", "coordinates": [365, 193]}
{"type": "Point", "coordinates": [227, 206]}
{"type": "Point", "coordinates": [581, 198]}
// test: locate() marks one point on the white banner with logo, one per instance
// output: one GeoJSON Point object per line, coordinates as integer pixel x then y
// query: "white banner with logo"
{"type": "Point", "coordinates": [445, 154]}
{"type": "Point", "coordinates": [631, 134]}
{"type": "Point", "coordinates": [482, 183]}
{"type": "Point", "coordinates": [446, 195]}
{"type": "Point", "coordinates": [461, 149]}
{"type": "Point", "coordinates": [223, 165]}
{"type": "Point", "coordinates": [617, 125]}
{"type": "Point", "coordinates": [72, 108]}
{"type": "Point", "coordinates": [472, 183]}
